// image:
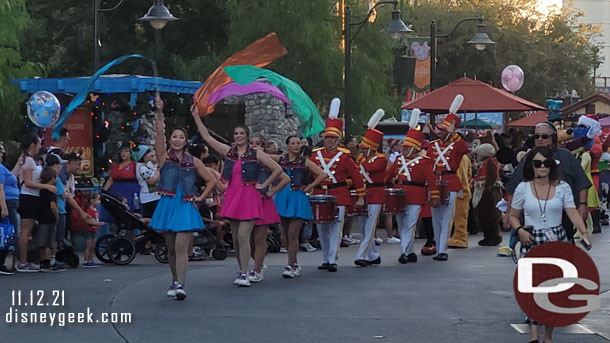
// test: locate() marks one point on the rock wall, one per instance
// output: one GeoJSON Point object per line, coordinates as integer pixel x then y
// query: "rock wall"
{"type": "Point", "coordinates": [270, 117]}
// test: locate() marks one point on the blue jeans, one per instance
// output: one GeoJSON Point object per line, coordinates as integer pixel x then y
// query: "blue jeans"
{"type": "Point", "coordinates": [13, 216]}
{"type": "Point", "coordinates": [307, 230]}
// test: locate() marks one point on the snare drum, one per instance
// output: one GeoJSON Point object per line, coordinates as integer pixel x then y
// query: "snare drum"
{"type": "Point", "coordinates": [395, 201]}
{"type": "Point", "coordinates": [324, 208]}
{"type": "Point", "coordinates": [356, 211]}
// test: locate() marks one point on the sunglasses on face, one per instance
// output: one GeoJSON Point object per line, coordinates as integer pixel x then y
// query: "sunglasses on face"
{"type": "Point", "coordinates": [542, 136]}
{"type": "Point", "coordinates": [539, 163]}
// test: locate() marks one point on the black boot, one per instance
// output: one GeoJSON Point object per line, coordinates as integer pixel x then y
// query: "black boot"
{"type": "Point", "coordinates": [596, 217]}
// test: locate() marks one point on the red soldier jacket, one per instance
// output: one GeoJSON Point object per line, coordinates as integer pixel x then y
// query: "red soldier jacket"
{"type": "Point", "coordinates": [373, 170]}
{"type": "Point", "coordinates": [446, 158]}
{"type": "Point", "coordinates": [487, 174]}
{"type": "Point", "coordinates": [412, 175]}
{"type": "Point", "coordinates": [338, 166]}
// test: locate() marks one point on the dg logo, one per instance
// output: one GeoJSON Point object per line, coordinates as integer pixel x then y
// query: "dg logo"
{"type": "Point", "coordinates": [557, 284]}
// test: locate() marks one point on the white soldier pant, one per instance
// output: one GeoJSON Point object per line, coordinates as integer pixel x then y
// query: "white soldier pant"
{"type": "Point", "coordinates": [330, 237]}
{"type": "Point", "coordinates": [442, 221]}
{"type": "Point", "coordinates": [407, 221]}
{"type": "Point", "coordinates": [368, 223]}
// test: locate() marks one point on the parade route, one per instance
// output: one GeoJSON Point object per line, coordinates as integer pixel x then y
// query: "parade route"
{"type": "Point", "coordinates": [467, 299]}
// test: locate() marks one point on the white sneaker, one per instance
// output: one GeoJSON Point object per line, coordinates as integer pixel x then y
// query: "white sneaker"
{"type": "Point", "coordinates": [298, 270]}
{"type": "Point", "coordinates": [255, 276]}
{"type": "Point", "coordinates": [308, 247]}
{"type": "Point", "coordinates": [172, 290]}
{"type": "Point", "coordinates": [393, 240]}
{"type": "Point", "coordinates": [351, 241]}
{"type": "Point", "coordinates": [242, 281]}
{"type": "Point", "coordinates": [289, 272]}
{"type": "Point", "coordinates": [378, 240]}
{"type": "Point", "coordinates": [236, 282]}
{"type": "Point", "coordinates": [180, 292]}
{"type": "Point", "coordinates": [283, 250]}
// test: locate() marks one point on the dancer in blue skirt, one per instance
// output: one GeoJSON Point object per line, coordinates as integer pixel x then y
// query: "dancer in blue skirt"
{"type": "Point", "coordinates": [292, 201]}
{"type": "Point", "coordinates": [176, 215]}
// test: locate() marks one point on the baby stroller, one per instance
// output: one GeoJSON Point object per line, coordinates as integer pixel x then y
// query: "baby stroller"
{"type": "Point", "coordinates": [121, 248]}
{"type": "Point", "coordinates": [204, 239]}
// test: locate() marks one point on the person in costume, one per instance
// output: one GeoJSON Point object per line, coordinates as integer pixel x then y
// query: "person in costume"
{"type": "Point", "coordinates": [242, 204]}
{"type": "Point", "coordinates": [584, 150]}
{"type": "Point", "coordinates": [176, 215]}
{"type": "Point", "coordinates": [292, 202]}
{"type": "Point", "coordinates": [487, 193]}
{"type": "Point", "coordinates": [269, 217]}
{"type": "Point", "coordinates": [446, 153]}
{"type": "Point", "coordinates": [373, 168]}
{"type": "Point", "coordinates": [412, 171]}
{"type": "Point", "coordinates": [595, 151]}
{"type": "Point", "coordinates": [338, 167]}
{"type": "Point", "coordinates": [459, 239]}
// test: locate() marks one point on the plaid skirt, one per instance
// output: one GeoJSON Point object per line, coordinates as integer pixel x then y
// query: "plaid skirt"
{"type": "Point", "coordinates": [541, 236]}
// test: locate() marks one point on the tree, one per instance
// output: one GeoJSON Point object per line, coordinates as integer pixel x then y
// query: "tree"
{"type": "Point", "coordinates": [61, 36]}
{"type": "Point", "coordinates": [13, 20]}
{"type": "Point", "coordinates": [311, 33]}
{"type": "Point", "coordinates": [551, 51]}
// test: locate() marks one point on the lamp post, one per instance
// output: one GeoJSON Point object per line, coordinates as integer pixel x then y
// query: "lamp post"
{"type": "Point", "coordinates": [480, 40]}
{"type": "Point", "coordinates": [158, 15]}
{"type": "Point", "coordinates": [395, 29]}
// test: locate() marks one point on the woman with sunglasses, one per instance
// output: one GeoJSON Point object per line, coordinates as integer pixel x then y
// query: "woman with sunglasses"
{"type": "Point", "coordinates": [542, 197]}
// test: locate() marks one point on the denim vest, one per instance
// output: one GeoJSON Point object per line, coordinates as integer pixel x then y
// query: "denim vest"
{"type": "Point", "coordinates": [250, 167]}
{"type": "Point", "coordinates": [174, 174]}
{"type": "Point", "coordinates": [298, 171]}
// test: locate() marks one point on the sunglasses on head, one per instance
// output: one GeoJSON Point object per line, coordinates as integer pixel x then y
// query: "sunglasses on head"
{"type": "Point", "coordinates": [546, 163]}
{"type": "Point", "coordinates": [542, 136]}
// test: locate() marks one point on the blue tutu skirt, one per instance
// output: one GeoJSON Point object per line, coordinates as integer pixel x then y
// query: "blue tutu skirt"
{"type": "Point", "coordinates": [293, 204]}
{"type": "Point", "coordinates": [175, 214]}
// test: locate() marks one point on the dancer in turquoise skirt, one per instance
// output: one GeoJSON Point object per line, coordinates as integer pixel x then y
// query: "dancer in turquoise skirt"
{"type": "Point", "coordinates": [292, 201]}
{"type": "Point", "coordinates": [176, 215]}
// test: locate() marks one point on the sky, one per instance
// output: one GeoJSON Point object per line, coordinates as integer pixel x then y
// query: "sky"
{"type": "Point", "coordinates": [543, 5]}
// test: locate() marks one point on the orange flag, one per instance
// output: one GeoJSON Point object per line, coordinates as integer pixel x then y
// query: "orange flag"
{"type": "Point", "coordinates": [259, 54]}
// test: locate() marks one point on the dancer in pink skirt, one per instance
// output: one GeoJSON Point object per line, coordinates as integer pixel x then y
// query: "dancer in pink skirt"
{"type": "Point", "coordinates": [242, 204]}
{"type": "Point", "coordinates": [270, 216]}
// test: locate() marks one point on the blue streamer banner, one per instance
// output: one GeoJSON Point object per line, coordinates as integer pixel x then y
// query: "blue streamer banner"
{"type": "Point", "coordinates": [82, 94]}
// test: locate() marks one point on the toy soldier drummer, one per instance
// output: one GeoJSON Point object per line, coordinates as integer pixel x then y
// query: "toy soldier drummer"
{"type": "Point", "coordinates": [373, 168]}
{"type": "Point", "coordinates": [413, 170]}
{"type": "Point", "coordinates": [446, 154]}
{"type": "Point", "coordinates": [338, 166]}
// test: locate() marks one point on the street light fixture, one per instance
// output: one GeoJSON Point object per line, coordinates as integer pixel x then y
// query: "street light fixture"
{"type": "Point", "coordinates": [480, 40]}
{"type": "Point", "coordinates": [396, 29]}
{"type": "Point", "coordinates": [158, 15]}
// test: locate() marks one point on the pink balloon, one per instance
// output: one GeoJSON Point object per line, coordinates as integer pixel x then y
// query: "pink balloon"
{"type": "Point", "coordinates": [507, 74]}
{"type": "Point", "coordinates": [513, 84]}
{"type": "Point", "coordinates": [518, 73]}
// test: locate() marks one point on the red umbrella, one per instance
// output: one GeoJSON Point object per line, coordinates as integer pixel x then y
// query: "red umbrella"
{"type": "Point", "coordinates": [531, 120]}
{"type": "Point", "coordinates": [478, 97]}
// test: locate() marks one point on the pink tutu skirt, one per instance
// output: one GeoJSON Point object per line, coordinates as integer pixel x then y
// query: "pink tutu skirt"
{"type": "Point", "coordinates": [270, 215]}
{"type": "Point", "coordinates": [241, 202]}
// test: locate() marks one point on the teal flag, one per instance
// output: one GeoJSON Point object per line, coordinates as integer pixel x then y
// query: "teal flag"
{"type": "Point", "coordinates": [82, 94]}
{"type": "Point", "coordinates": [300, 102]}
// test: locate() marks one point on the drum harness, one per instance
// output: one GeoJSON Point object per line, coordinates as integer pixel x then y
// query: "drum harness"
{"type": "Point", "coordinates": [364, 173]}
{"type": "Point", "coordinates": [405, 169]}
{"type": "Point", "coordinates": [441, 155]}
{"type": "Point", "coordinates": [326, 167]}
